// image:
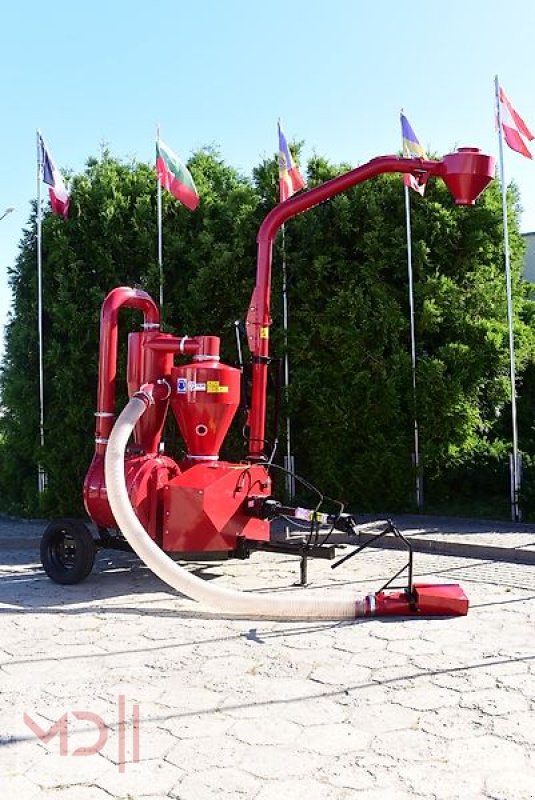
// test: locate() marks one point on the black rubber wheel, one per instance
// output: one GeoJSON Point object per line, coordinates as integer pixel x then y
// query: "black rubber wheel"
{"type": "Point", "coordinates": [67, 551]}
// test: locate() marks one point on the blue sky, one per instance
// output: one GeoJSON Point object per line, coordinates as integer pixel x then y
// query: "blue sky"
{"type": "Point", "coordinates": [221, 73]}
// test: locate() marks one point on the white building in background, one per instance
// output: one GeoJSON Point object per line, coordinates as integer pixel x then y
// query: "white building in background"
{"type": "Point", "coordinates": [529, 258]}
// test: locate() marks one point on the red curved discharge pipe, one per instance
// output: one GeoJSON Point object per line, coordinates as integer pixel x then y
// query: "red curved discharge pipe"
{"type": "Point", "coordinates": [121, 297]}
{"type": "Point", "coordinates": [465, 172]}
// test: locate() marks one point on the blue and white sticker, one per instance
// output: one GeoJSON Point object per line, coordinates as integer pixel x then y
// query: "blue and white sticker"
{"type": "Point", "coordinates": [183, 386]}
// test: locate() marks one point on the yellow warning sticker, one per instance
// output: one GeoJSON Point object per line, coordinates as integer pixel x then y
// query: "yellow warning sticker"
{"type": "Point", "coordinates": [264, 333]}
{"type": "Point", "coordinates": [214, 387]}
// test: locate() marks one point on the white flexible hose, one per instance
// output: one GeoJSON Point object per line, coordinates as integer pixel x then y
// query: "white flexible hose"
{"type": "Point", "coordinates": [281, 605]}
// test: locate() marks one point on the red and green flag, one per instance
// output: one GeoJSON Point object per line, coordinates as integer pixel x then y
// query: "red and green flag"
{"type": "Point", "coordinates": [175, 177]}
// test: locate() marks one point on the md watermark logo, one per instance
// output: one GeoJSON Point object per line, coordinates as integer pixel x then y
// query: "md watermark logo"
{"type": "Point", "coordinates": [60, 728]}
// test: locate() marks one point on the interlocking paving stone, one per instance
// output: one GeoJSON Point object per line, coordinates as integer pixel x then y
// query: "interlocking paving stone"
{"type": "Point", "coordinates": [256, 709]}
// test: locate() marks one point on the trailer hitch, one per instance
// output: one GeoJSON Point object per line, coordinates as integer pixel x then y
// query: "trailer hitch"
{"type": "Point", "coordinates": [316, 545]}
{"type": "Point", "coordinates": [408, 599]}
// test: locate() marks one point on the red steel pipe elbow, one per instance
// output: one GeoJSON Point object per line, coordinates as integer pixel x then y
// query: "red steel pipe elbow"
{"type": "Point", "coordinates": [118, 298]}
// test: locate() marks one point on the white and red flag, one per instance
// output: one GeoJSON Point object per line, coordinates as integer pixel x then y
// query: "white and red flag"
{"type": "Point", "coordinates": [515, 130]}
{"type": "Point", "coordinates": [57, 191]}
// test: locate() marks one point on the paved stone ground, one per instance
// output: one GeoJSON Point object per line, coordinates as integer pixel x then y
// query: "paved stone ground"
{"type": "Point", "coordinates": [264, 709]}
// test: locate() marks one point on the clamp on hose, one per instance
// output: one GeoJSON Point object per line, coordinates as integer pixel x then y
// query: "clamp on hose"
{"type": "Point", "coordinates": [151, 392]}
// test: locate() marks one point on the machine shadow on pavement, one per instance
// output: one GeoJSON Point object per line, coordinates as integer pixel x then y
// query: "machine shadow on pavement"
{"type": "Point", "coordinates": [24, 586]}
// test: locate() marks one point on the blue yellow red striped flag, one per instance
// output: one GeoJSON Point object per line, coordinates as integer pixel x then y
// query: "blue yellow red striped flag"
{"type": "Point", "coordinates": [290, 179]}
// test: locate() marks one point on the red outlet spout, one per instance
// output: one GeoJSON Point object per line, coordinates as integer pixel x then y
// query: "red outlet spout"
{"type": "Point", "coordinates": [466, 173]}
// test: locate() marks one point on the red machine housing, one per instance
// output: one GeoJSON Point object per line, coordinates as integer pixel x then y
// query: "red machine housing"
{"type": "Point", "coordinates": [210, 500]}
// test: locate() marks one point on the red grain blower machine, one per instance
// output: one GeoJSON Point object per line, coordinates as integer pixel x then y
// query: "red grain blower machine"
{"type": "Point", "coordinates": [202, 507]}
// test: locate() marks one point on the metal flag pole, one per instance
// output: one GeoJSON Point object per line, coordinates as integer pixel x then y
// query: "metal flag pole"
{"type": "Point", "coordinates": [288, 459]}
{"type": "Point", "coordinates": [41, 475]}
{"type": "Point", "coordinates": [514, 460]}
{"type": "Point", "coordinates": [416, 454]}
{"type": "Point", "coordinates": [159, 216]}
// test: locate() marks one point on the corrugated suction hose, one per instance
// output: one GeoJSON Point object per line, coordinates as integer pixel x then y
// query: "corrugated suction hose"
{"type": "Point", "coordinates": [294, 605]}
